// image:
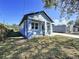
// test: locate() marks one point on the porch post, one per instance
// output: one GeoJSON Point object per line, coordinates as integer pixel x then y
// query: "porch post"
{"type": "Point", "coordinates": [45, 28]}
{"type": "Point", "coordinates": [51, 28]}
{"type": "Point", "coordinates": [40, 27]}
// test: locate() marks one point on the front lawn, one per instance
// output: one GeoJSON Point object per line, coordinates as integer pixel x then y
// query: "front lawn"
{"type": "Point", "coordinates": [57, 47]}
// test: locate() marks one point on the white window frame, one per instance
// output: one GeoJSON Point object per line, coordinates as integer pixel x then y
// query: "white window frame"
{"type": "Point", "coordinates": [35, 25]}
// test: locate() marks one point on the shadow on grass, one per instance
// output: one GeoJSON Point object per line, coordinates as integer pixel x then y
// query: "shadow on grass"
{"type": "Point", "coordinates": [38, 48]}
{"type": "Point", "coordinates": [14, 34]}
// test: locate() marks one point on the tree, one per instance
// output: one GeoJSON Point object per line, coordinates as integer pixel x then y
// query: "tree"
{"type": "Point", "coordinates": [15, 27]}
{"type": "Point", "coordinates": [68, 7]}
{"type": "Point", "coordinates": [71, 22]}
{"type": "Point", "coordinates": [3, 32]}
{"type": "Point", "coordinates": [70, 26]}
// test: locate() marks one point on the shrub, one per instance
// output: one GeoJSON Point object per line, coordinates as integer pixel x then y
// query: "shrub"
{"type": "Point", "coordinates": [3, 32]}
{"type": "Point", "coordinates": [11, 33]}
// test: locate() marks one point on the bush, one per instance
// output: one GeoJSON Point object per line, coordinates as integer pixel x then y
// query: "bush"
{"type": "Point", "coordinates": [3, 32]}
{"type": "Point", "coordinates": [11, 33]}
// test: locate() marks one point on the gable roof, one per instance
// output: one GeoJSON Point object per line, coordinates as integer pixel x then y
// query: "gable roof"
{"type": "Point", "coordinates": [25, 16]}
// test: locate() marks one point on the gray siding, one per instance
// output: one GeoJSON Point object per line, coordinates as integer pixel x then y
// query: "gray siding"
{"type": "Point", "coordinates": [60, 28]}
{"type": "Point", "coordinates": [22, 29]}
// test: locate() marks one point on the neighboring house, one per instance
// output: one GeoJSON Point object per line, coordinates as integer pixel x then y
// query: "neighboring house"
{"type": "Point", "coordinates": [66, 28]}
{"type": "Point", "coordinates": [75, 28]}
{"type": "Point", "coordinates": [60, 28]}
{"type": "Point", "coordinates": [36, 24]}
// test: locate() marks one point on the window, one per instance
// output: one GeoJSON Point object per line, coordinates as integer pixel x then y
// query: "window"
{"type": "Point", "coordinates": [34, 25]}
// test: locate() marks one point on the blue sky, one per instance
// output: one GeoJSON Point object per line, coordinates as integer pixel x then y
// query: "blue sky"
{"type": "Point", "coordinates": [12, 11]}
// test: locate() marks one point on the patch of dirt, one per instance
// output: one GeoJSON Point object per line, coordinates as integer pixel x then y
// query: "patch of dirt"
{"type": "Point", "coordinates": [70, 52]}
{"type": "Point", "coordinates": [19, 42]}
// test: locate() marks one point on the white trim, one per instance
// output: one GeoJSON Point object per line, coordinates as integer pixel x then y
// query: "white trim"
{"type": "Point", "coordinates": [34, 26]}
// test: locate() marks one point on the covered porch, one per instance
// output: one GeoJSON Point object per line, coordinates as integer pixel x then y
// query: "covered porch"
{"type": "Point", "coordinates": [40, 28]}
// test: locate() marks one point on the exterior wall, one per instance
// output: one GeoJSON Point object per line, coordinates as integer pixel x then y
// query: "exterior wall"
{"type": "Point", "coordinates": [60, 28]}
{"type": "Point", "coordinates": [35, 32]}
{"type": "Point", "coordinates": [40, 17]}
{"type": "Point", "coordinates": [22, 29]}
{"type": "Point", "coordinates": [27, 30]}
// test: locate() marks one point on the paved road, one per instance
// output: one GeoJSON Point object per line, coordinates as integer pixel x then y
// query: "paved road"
{"type": "Point", "coordinates": [68, 35]}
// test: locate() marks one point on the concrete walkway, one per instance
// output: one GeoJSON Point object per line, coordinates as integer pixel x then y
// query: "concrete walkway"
{"type": "Point", "coordinates": [68, 35]}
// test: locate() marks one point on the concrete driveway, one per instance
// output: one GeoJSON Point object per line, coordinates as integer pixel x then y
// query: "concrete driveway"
{"type": "Point", "coordinates": [68, 35]}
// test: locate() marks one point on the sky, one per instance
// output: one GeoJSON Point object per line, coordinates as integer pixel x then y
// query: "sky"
{"type": "Point", "coordinates": [12, 11]}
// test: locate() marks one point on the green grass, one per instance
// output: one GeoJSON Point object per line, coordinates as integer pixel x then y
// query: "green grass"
{"type": "Point", "coordinates": [57, 47]}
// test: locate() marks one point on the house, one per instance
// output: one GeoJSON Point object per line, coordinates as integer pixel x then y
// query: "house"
{"type": "Point", "coordinates": [66, 28]}
{"type": "Point", "coordinates": [60, 28]}
{"type": "Point", "coordinates": [76, 28]}
{"type": "Point", "coordinates": [36, 24]}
